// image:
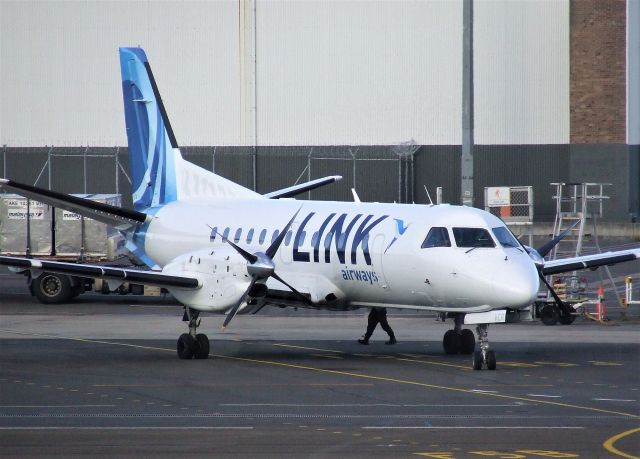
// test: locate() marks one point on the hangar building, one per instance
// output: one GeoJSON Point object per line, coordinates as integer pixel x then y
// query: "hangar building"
{"type": "Point", "coordinates": [270, 92]}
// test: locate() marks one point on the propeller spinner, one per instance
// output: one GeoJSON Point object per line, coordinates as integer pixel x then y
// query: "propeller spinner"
{"type": "Point", "coordinates": [261, 267]}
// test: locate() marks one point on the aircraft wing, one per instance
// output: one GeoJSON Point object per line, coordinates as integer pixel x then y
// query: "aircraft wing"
{"type": "Point", "coordinates": [111, 215]}
{"type": "Point", "coordinates": [589, 261]}
{"type": "Point", "coordinates": [104, 272]}
{"type": "Point", "coordinates": [302, 187]}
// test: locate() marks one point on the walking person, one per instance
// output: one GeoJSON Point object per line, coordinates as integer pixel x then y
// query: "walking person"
{"type": "Point", "coordinates": [378, 315]}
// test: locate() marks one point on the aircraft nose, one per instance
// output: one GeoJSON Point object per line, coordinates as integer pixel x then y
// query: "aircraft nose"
{"type": "Point", "coordinates": [517, 284]}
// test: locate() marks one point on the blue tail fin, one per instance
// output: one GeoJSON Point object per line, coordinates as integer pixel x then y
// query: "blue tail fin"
{"type": "Point", "coordinates": [151, 139]}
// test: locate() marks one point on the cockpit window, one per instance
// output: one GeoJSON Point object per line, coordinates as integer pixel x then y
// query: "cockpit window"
{"type": "Point", "coordinates": [437, 237]}
{"type": "Point", "coordinates": [504, 237]}
{"type": "Point", "coordinates": [472, 237]}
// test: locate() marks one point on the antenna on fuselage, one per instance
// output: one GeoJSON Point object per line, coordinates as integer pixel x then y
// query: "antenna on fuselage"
{"type": "Point", "coordinates": [428, 195]}
{"type": "Point", "coordinates": [356, 198]}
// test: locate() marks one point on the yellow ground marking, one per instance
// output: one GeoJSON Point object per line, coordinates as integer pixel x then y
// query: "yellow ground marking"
{"type": "Point", "coordinates": [605, 364]}
{"type": "Point", "coordinates": [519, 364]}
{"type": "Point", "coordinates": [515, 385]}
{"type": "Point", "coordinates": [328, 356]}
{"type": "Point", "coordinates": [430, 386]}
{"type": "Point", "coordinates": [357, 375]}
{"type": "Point", "coordinates": [608, 445]}
{"type": "Point", "coordinates": [558, 364]}
{"type": "Point", "coordinates": [308, 348]}
{"type": "Point", "coordinates": [431, 362]}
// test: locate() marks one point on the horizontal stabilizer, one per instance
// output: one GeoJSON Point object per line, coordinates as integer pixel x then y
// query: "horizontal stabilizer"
{"type": "Point", "coordinates": [301, 188]}
{"type": "Point", "coordinates": [103, 272]}
{"type": "Point", "coordinates": [105, 213]}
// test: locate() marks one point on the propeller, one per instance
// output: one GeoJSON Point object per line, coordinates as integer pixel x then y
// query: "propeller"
{"type": "Point", "coordinates": [261, 267]}
{"type": "Point", "coordinates": [541, 253]}
{"type": "Point", "coordinates": [548, 247]}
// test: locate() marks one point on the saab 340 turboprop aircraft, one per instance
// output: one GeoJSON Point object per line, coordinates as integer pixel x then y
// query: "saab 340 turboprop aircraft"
{"type": "Point", "coordinates": [219, 247]}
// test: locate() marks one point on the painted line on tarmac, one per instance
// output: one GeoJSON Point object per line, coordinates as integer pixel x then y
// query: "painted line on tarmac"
{"type": "Point", "coordinates": [361, 405]}
{"type": "Point", "coordinates": [470, 427]}
{"type": "Point", "coordinates": [612, 400]}
{"type": "Point", "coordinates": [355, 375]}
{"type": "Point", "coordinates": [57, 406]}
{"type": "Point", "coordinates": [307, 348]}
{"type": "Point", "coordinates": [608, 445]}
{"type": "Point", "coordinates": [132, 428]}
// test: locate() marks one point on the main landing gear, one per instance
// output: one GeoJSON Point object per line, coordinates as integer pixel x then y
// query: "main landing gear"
{"type": "Point", "coordinates": [192, 345]}
{"type": "Point", "coordinates": [458, 340]}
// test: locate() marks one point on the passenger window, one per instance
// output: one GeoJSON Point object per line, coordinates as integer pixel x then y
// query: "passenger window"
{"type": "Point", "coordinates": [236, 239]}
{"type": "Point", "coordinates": [275, 236]}
{"type": "Point", "coordinates": [302, 237]}
{"type": "Point", "coordinates": [263, 235]}
{"type": "Point", "coordinates": [250, 236]}
{"type": "Point", "coordinates": [214, 233]}
{"type": "Point", "coordinates": [287, 238]}
{"type": "Point", "coordinates": [437, 237]}
{"type": "Point", "coordinates": [225, 235]}
{"type": "Point", "coordinates": [472, 237]}
{"type": "Point", "coordinates": [314, 239]}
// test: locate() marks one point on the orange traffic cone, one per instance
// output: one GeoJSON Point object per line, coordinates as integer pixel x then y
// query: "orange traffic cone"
{"type": "Point", "coordinates": [601, 309]}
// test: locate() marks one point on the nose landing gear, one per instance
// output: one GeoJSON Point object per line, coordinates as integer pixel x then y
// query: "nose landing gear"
{"type": "Point", "coordinates": [193, 344]}
{"type": "Point", "coordinates": [484, 356]}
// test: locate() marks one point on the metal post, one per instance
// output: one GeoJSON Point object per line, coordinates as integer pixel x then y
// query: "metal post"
{"type": "Point", "coordinates": [28, 248]}
{"type": "Point", "coordinates": [84, 165]}
{"type": "Point", "coordinates": [466, 165]}
{"type": "Point", "coordinates": [49, 164]}
{"type": "Point", "coordinates": [117, 174]}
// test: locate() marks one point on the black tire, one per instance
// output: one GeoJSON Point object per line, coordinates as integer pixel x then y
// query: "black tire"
{"type": "Point", "coordinates": [549, 315]}
{"type": "Point", "coordinates": [491, 360]}
{"type": "Point", "coordinates": [186, 346]}
{"type": "Point", "coordinates": [467, 342]}
{"type": "Point", "coordinates": [202, 348]}
{"type": "Point", "coordinates": [451, 342]}
{"type": "Point", "coordinates": [477, 360]}
{"type": "Point", "coordinates": [566, 320]}
{"type": "Point", "coordinates": [52, 288]}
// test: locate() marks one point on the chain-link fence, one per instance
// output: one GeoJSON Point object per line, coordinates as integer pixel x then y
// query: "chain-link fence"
{"type": "Point", "coordinates": [383, 173]}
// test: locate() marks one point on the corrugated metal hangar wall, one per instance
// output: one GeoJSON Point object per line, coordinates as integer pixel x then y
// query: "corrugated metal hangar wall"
{"type": "Point", "coordinates": [270, 92]}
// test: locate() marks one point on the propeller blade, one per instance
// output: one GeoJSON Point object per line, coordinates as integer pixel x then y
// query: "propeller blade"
{"type": "Point", "coordinates": [234, 310]}
{"type": "Point", "coordinates": [546, 248]}
{"type": "Point", "coordinates": [300, 295]}
{"type": "Point", "coordinates": [273, 248]}
{"type": "Point", "coordinates": [251, 258]}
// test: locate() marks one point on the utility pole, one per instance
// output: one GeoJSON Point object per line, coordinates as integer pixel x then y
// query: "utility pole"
{"type": "Point", "coordinates": [466, 162]}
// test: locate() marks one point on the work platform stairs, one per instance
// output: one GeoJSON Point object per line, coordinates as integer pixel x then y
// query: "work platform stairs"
{"type": "Point", "coordinates": [582, 203]}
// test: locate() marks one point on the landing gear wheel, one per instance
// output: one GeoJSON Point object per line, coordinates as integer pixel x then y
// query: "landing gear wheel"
{"type": "Point", "coordinates": [491, 360]}
{"type": "Point", "coordinates": [467, 342]}
{"type": "Point", "coordinates": [477, 360]}
{"type": "Point", "coordinates": [202, 348]}
{"type": "Point", "coordinates": [52, 288]}
{"type": "Point", "coordinates": [451, 342]}
{"type": "Point", "coordinates": [187, 346]}
{"type": "Point", "coordinates": [566, 320]}
{"type": "Point", "coordinates": [549, 315]}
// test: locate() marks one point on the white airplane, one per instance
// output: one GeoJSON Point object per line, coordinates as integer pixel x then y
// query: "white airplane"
{"type": "Point", "coordinates": [219, 247]}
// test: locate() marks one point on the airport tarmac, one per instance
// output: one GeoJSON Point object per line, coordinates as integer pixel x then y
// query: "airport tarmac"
{"type": "Point", "coordinates": [101, 377]}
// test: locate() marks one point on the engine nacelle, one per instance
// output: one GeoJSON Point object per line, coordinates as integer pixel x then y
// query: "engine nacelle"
{"type": "Point", "coordinates": [222, 272]}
